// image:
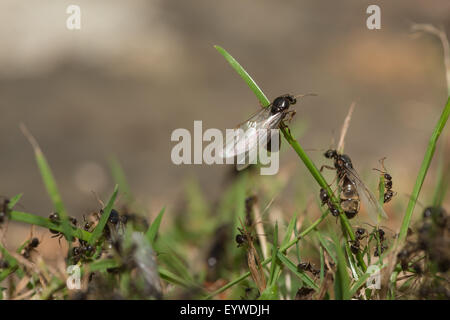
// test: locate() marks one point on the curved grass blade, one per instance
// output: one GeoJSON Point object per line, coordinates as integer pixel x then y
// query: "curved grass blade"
{"type": "Point", "coordinates": [342, 280]}
{"type": "Point", "coordinates": [358, 284]}
{"type": "Point", "coordinates": [153, 229]}
{"type": "Point", "coordinates": [104, 218]}
{"type": "Point", "coordinates": [423, 171]}
{"type": "Point", "coordinates": [13, 265]}
{"type": "Point", "coordinates": [49, 182]}
{"type": "Point", "coordinates": [120, 178]}
{"type": "Point", "coordinates": [245, 76]}
{"type": "Point", "coordinates": [14, 200]}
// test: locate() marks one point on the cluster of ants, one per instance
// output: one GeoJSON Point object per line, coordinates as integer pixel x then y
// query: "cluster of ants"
{"type": "Point", "coordinates": [84, 251]}
{"type": "Point", "coordinates": [378, 234]}
{"type": "Point", "coordinates": [137, 258]}
{"type": "Point", "coordinates": [351, 186]}
{"type": "Point", "coordinates": [426, 254]}
{"type": "Point", "coordinates": [115, 224]}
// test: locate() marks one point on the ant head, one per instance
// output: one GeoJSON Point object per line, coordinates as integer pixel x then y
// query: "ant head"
{"type": "Point", "coordinates": [330, 154]}
{"type": "Point", "coordinates": [34, 242]}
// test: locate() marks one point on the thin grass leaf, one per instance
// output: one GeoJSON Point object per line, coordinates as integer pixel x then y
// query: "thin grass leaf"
{"type": "Point", "coordinates": [49, 182]}
{"type": "Point", "coordinates": [271, 293]}
{"type": "Point", "coordinates": [289, 231]}
{"type": "Point", "coordinates": [171, 260]}
{"type": "Point", "coordinates": [326, 246]}
{"type": "Point", "coordinates": [245, 76]}
{"type": "Point", "coordinates": [100, 265]}
{"type": "Point", "coordinates": [443, 176]}
{"type": "Point", "coordinates": [153, 229]}
{"type": "Point", "coordinates": [423, 172]}
{"type": "Point", "coordinates": [297, 247]}
{"type": "Point", "coordinates": [322, 264]}
{"type": "Point", "coordinates": [12, 262]}
{"type": "Point", "coordinates": [172, 278]}
{"type": "Point", "coordinates": [274, 256]}
{"type": "Point", "coordinates": [46, 223]}
{"type": "Point", "coordinates": [14, 200]}
{"type": "Point", "coordinates": [342, 280]}
{"type": "Point", "coordinates": [359, 283]}
{"type": "Point", "coordinates": [104, 218]}
{"type": "Point", "coordinates": [120, 179]}
{"type": "Point", "coordinates": [351, 261]}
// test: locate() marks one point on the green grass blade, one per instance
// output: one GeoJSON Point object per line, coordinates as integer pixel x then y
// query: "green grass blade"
{"type": "Point", "coordinates": [153, 229]}
{"type": "Point", "coordinates": [101, 265]}
{"type": "Point", "coordinates": [46, 223]}
{"type": "Point", "coordinates": [326, 246]}
{"type": "Point", "coordinates": [49, 182]}
{"type": "Point", "coordinates": [173, 278]}
{"type": "Point", "coordinates": [104, 218]}
{"type": "Point", "coordinates": [289, 231]}
{"type": "Point", "coordinates": [120, 178]}
{"type": "Point", "coordinates": [14, 200]}
{"type": "Point", "coordinates": [273, 265]}
{"type": "Point", "coordinates": [358, 284]}
{"type": "Point", "coordinates": [423, 171]}
{"type": "Point", "coordinates": [443, 177]}
{"type": "Point", "coordinates": [342, 280]}
{"type": "Point", "coordinates": [13, 264]}
{"type": "Point", "coordinates": [245, 76]}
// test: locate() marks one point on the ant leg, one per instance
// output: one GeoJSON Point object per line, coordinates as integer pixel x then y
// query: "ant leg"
{"type": "Point", "coordinates": [291, 114]}
{"type": "Point", "coordinates": [326, 167]}
{"type": "Point", "coordinates": [382, 163]}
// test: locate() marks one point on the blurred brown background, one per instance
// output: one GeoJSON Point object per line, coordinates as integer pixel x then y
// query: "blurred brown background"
{"type": "Point", "coordinates": [139, 69]}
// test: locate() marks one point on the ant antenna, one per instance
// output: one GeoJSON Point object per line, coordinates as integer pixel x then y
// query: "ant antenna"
{"type": "Point", "coordinates": [306, 95]}
{"type": "Point", "coordinates": [381, 161]}
{"type": "Point", "coordinates": [379, 227]}
{"type": "Point", "coordinates": [98, 198]}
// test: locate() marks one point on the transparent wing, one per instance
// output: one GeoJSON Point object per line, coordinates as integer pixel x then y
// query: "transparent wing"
{"type": "Point", "coordinates": [249, 134]}
{"type": "Point", "coordinates": [144, 256]}
{"type": "Point", "coordinates": [373, 207]}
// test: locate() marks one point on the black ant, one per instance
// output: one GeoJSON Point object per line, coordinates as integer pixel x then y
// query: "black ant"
{"type": "Point", "coordinates": [437, 214]}
{"type": "Point", "coordinates": [355, 245]}
{"type": "Point", "coordinates": [31, 246]}
{"type": "Point", "coordinates": [84, 251]}
{"type": "Point", "coordinates": [4, 210]}
{"type": "Point", "coordinates": [325, 198]}
{"type": "Point", "coordinates": [54, 217]}
{"type": "Point", "coordinates": [242, 237]}
{"type": "Point", "coordinates": [360, 233]}
{"type": "Point", "coordinates": [307, 266]}
{"type": "Point", "coordinates": [388, 193]}
{"type": "Point", "coordinates": [379, 235]}
{"type": "Point", "coordinates": [4, 264]}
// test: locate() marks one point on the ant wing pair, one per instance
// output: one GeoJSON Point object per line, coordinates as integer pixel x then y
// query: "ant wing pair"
{"type": "Point", "coordinates": [249, 135]}
{"type": "Point", "coordinates": [373, 207]}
